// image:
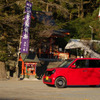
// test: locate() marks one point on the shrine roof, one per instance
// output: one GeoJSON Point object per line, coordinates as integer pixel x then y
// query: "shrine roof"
{"type": "Point", "coordinates": [62, 32]}
{"type": "Point", "coordinates": [31, 57]}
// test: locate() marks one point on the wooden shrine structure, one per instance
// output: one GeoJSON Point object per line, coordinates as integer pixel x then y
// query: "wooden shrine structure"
{"type": "Point", "coordinates": [27, 64]}
{"type": "Point", "coordinates": [50, 50]}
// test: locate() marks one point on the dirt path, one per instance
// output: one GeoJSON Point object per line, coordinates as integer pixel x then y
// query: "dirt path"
{"type": "Point", "coordinates": [36, 90]}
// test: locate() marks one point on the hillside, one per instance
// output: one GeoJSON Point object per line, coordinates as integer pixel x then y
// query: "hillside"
{"type": "Point", "coordinates": [80, 17]}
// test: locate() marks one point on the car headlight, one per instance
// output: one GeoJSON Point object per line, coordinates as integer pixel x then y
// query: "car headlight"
{"type": "Point", "coordinates": [53, 71]}
{"type": "Point", "coordinates": [49, 73]}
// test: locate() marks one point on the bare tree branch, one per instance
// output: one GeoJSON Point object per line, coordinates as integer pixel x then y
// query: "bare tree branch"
{"type": "Point", "coordinates": [59, 7]}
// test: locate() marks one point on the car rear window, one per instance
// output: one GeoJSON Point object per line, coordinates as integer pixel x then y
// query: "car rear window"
{"type": "Point", "coordinates": [88, 63]}
{"type": "Point", "coordinates": [94, 63]}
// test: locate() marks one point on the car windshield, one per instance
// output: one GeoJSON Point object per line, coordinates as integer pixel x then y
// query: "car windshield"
{"type": "Point", "coordinates": [66, 63]}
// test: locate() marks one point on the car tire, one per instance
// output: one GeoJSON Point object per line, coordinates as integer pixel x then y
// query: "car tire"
{"type": "Point", "coordinates": [60, 82]}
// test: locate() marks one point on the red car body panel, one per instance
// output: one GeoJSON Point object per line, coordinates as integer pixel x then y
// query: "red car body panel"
{"type": "Point", "coordinates": [77, 76]}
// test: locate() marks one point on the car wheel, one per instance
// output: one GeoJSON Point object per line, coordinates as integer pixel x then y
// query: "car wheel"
{"type": "Point", "coordinates": [60, 82]}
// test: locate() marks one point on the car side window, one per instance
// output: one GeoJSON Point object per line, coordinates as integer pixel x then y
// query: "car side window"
{"type": "Point", "coordinates": [81, 64]}
{"type": "Point", "coordinates": [94, 63]}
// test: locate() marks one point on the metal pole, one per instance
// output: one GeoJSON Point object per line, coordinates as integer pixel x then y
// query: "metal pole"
{"type": "Point", "coordinates": [91, 35]}
{"type": "Point", "coordinates": [91, 32]}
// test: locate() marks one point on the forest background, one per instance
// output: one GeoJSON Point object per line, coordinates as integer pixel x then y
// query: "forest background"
{"type": "Point", "coordinates": [73, 15]}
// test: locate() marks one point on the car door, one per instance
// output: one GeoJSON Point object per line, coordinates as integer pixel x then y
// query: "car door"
{"type": "Point", "coordinates": [78, 75]}
{"type": "Point", "coordinates": [94, 72]}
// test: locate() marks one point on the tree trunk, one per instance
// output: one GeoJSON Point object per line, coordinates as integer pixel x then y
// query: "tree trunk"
{"type": "Point", "coordinates": [78, 6]}
{"type": "Point", "coordinates": [3, 75]}
{"type": "Point", "coordinates": [47, 8]}
{"type": "Point", "coordinates": [70, 16]}
{"type": "Point", "coordinates": [82, 9]}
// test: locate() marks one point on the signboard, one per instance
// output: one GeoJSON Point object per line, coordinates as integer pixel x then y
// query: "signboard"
{"type": "Point", "coordinates": [64, 55]}
{"type": "Point", "coordinates": [26, 25]}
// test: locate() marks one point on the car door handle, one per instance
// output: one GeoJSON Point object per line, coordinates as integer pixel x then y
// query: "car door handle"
{"type": "Point", "coordinates": [84, 70]}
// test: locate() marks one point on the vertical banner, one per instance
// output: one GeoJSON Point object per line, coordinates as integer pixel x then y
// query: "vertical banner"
{"type": "Point", "coordinates": [26, 25]}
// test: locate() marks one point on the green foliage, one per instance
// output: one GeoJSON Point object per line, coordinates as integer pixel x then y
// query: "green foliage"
{"type": "Point", "coordinates": [97, 1]}
{"type": "Point", "coordinates": [50, 0]}
{"type": "Point", "coordinates": [10, 25]}
{"type": "Point", "coordinates": [96, 47]}
{"type": "Point", "coordinates": [36, 8]}
{"type": "Point", "coordinates": [66, 13]}
{"type": "Point", "coordinates": [80, 27]}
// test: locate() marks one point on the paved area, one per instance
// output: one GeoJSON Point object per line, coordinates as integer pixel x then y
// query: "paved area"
{"type": "Point", "coordinates": [36, 90]}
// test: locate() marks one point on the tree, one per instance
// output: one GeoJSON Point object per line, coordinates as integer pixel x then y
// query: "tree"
{"type": "Point", "coordinates": [75, 15]}
{"type": "Point", "coordinates": [42, 27]}
{"type": "Point", "coordinates": [10, 17]}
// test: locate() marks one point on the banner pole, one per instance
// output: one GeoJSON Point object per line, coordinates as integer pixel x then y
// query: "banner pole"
{"type": "Point", "coordinates": [18, 54]}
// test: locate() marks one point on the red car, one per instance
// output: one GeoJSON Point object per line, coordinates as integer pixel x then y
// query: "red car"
{"type": "Point", "coordinates": [79, 71]}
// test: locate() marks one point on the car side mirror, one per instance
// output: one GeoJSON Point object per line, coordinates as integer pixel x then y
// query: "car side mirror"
{"type": "Point", "coordinates": [73, 66]}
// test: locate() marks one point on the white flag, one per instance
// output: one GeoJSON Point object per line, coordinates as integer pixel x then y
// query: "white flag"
{"type": "Point", "coordinates": [99, 14]}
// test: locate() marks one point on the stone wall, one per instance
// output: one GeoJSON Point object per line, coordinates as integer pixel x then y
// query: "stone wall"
{"type": "Point", "coordinates": [2, 71]}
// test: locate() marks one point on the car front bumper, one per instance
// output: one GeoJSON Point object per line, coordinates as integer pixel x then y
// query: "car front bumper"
{"type": "Point", "coordinates": [48, 80]}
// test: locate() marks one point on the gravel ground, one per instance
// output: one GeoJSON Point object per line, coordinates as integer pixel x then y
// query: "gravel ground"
{"type": "Point", "coordinates": [36, 90]}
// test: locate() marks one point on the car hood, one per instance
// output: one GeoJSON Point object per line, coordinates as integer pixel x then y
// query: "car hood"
{"type": "Point", "coordinates": [50, 69]}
